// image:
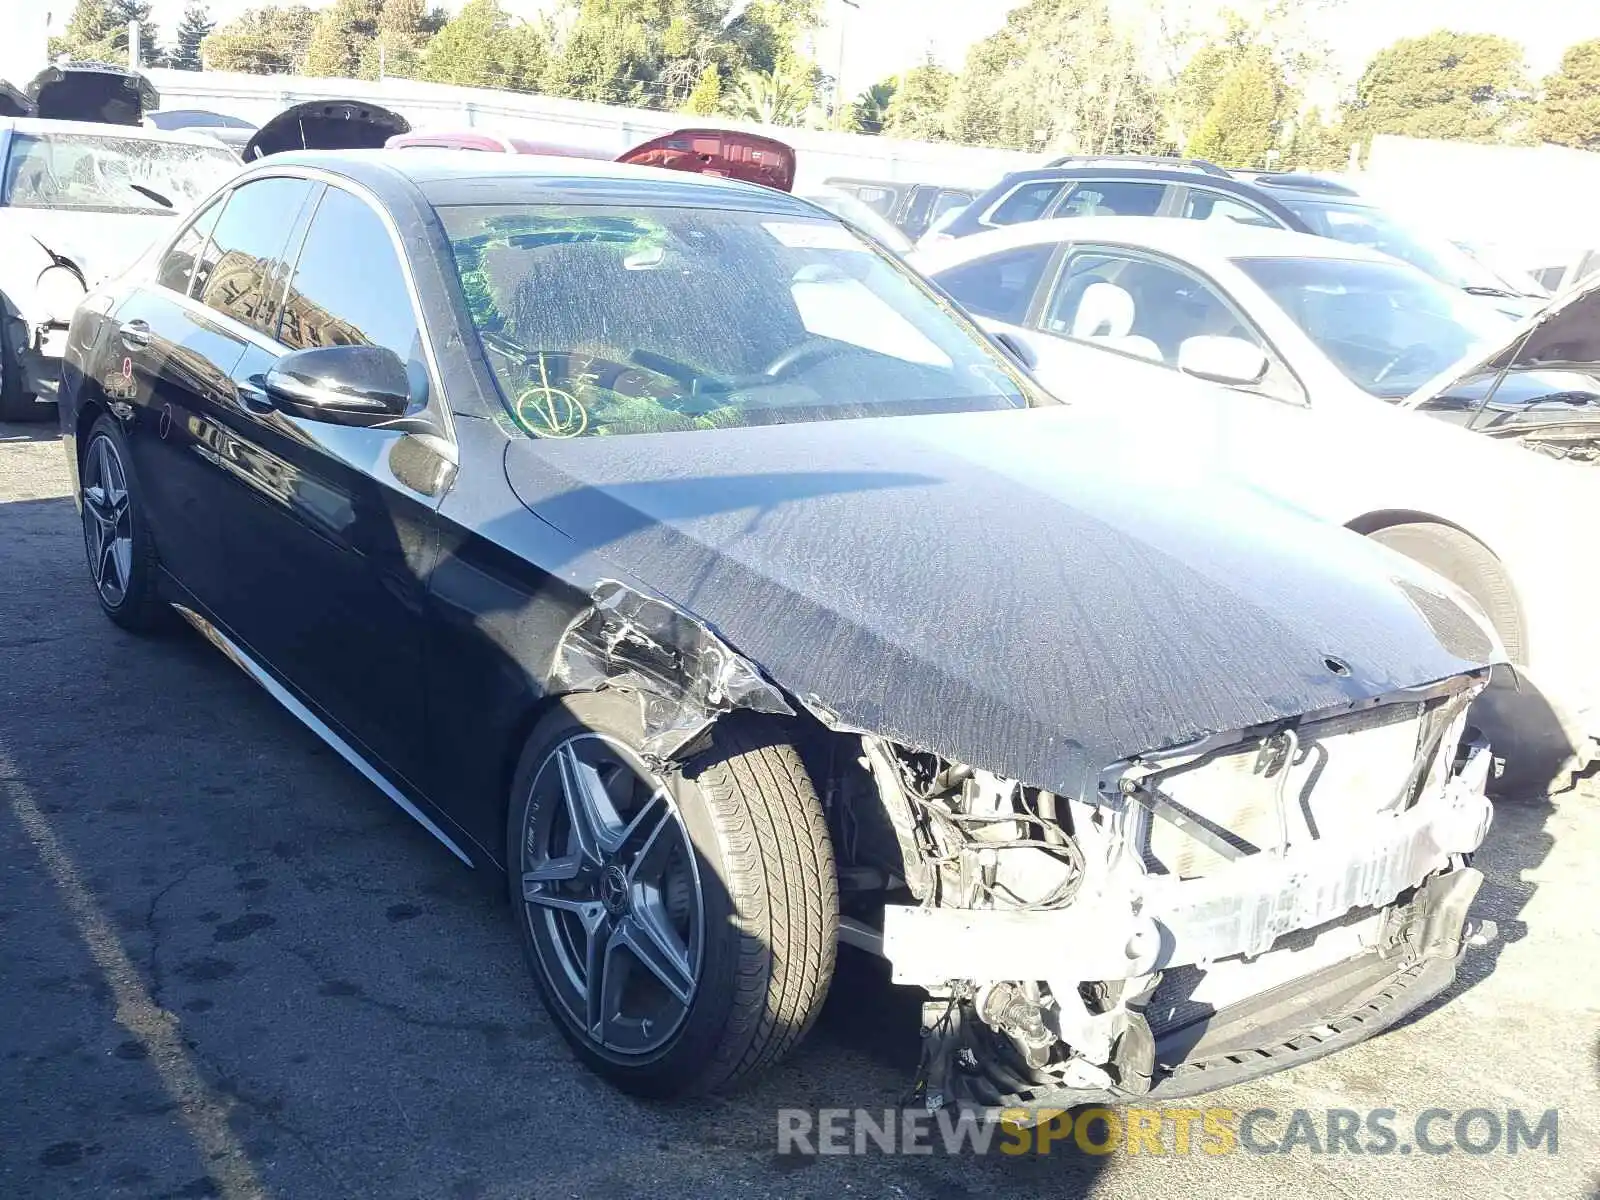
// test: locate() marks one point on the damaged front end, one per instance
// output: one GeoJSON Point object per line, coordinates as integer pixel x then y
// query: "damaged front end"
{"type": "Point", "coordinates": [1213, 913]}
{"type": "Point", "coordinates": [1197, 916]}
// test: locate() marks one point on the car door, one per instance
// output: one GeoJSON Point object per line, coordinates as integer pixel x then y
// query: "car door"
{"type": "Point", "coordinates": [335, 528]}
{"type": "Point", "coordinates": [171, 359]}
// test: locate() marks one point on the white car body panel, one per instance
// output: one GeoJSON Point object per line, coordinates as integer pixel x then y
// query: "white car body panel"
{"type": "Point", "coordinates": [1345, 456]}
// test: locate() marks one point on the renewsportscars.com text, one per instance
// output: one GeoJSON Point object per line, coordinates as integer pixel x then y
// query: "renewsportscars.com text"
{"type": "Point", "coordinates": [1168, 1131]}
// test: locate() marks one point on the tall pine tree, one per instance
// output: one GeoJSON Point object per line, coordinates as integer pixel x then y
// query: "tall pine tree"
{"type": "Point", "coordinates": [192, 29]}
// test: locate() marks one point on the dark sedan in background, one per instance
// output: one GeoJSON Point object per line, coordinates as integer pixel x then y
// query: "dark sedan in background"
{"type": "Point", "coordinates": [668, 547]}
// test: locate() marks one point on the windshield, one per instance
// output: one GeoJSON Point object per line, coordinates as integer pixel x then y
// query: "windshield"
{"type": "Point", "coordinates": [99, 173]}
{"type": "Point", "coordinates": [1363, 225]}
{"type": "Point", "coordinates": [608, 320]}
{"type": "Point", "coordinates": [1386, 327]}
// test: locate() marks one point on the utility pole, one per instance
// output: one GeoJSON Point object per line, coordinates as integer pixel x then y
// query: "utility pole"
{"type": "Point", "coordinates": [133, 45]}
{"type": "Point", "coordinates": [838, 78]}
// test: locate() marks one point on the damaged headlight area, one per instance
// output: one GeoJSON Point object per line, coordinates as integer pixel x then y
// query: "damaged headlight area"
{"type": "Point", "coordinates": [1211, 913]}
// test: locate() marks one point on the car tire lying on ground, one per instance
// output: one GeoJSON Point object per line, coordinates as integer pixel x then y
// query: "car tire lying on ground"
{"type": "Point", "coordinates": [681, 927]}
{"type": "Point", "coordinates": [122, 555]}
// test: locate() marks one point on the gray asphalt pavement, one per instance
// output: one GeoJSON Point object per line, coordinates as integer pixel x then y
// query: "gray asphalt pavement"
{"type": "Point", "coordinates": [230, 967]}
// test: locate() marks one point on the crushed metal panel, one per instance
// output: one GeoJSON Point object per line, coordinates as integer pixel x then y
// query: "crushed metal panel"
{"type": "Point", "coordinates": [684, 674]}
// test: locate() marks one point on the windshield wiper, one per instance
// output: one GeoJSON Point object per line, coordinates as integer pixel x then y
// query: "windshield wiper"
{"type": "Point", "coordinates": [1479, 289]}
{"type": "Point", "coordinates": [152, 194]}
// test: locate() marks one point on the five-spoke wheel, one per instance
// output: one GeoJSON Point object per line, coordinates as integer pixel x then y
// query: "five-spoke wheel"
{"type": "Point", "coordinates": [680, 920]}
{"type": "Point", "coordinates": [613, 893]}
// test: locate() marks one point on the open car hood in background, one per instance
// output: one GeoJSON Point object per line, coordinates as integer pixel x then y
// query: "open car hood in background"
{"type": "Point", "coordinates": [1560, 341]}
{"type": "Point", "coordinates": [84, 91]}
{"type": "Point", "coordinates": [1541, 387]}
{"type": "Point", "coordinates": [730, 153]}
{"type": "Point", "coordinates": [326, 125]}
{"type": "Point", "coordinates": [13, 103]}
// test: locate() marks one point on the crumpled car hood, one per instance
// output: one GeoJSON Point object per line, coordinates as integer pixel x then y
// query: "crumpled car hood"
{"type": "Point", "coordinates": [1012, 590]}
{"type": "Point", "coordinates": [100, 245]}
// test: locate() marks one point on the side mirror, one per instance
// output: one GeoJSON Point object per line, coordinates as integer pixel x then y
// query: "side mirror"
{"type": "Point", "coordinates": [1222, 359]}
{"type": "Point", "coordinates": [343, 385]}
{"type": "Point", "coordinates": [1017, 349]}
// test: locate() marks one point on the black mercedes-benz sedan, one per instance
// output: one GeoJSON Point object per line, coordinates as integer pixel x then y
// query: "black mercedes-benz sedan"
{"type": "Point", "coordinates": [664, 546]}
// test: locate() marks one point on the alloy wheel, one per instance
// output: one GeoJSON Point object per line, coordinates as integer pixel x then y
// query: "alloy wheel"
{"type": "Point", "coordinates": [612, 895]}
{"type": "Point", "coordinates": [107, 521]}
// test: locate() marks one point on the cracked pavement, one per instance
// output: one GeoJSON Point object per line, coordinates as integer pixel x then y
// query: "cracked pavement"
{"type": "Point", "coordinates": [231, 967]}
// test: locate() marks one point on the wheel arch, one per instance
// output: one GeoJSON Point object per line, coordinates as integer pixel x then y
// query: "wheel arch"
{"type": "Point", "coordinates": [1373, 522]}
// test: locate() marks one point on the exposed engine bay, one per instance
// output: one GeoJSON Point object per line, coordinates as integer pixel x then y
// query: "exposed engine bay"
{"type": "Point", "coordinates": [1215, 907]}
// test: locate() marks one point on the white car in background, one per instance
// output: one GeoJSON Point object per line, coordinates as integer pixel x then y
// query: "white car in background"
{"type": "Point", "coordinates": [1325, 352]}
{"type": "Point", "coordinates": [80, 200]}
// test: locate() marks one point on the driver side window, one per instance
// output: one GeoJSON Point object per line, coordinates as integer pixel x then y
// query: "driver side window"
{"type": "Point", "coordinates": [1151, 309]}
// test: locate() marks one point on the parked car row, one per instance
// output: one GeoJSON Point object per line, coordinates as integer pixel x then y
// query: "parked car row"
{"type": "Point", "coordinates": [683, 559]}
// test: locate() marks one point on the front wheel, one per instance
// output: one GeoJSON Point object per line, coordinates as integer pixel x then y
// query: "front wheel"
{"type": "Point", "coordinates": [680, 925]}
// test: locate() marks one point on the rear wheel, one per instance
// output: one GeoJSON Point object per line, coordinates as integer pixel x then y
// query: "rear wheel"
{"type": "Point", "coordinates": [680, 924]}
{"type": "Point", "coordinates": [122, 556]}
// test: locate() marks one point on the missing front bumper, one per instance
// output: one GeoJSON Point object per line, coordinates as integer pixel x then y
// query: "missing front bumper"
{"type": "Point", "coordinates": [1169, 922]}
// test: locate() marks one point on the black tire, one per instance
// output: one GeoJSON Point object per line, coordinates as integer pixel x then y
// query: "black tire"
{"type": "Point", "coordinates": [768, 898]}
{"type": "Point", "coordinates": [15, 404]}
{"type": "Point", "coordinates": [1467, 563]}
{"type": "Point", "coordinates": [135, 603]}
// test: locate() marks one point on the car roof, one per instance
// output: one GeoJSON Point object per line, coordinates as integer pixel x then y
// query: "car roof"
{"type": "Point", "coordinates": [1194, 241]}
{"type": "Point", "coordinates": [451, 177]}
{"type": "Point", "coordinates": [99, 129]}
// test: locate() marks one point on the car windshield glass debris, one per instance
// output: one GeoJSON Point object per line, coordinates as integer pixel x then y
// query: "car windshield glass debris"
{"type": "Point", "coordinates": [98, 173]}
{"type": "Point", "coordinates": [680, 319]}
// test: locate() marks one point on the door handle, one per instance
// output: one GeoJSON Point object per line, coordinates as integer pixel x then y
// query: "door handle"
{"type": "Point", "coordinates": [135, 334]}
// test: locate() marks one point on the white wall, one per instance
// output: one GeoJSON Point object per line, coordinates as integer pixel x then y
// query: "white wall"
{"type": "Point", "coordinates": [1537, 202]}
{"type": "Point", "coordinates": [602, 127]}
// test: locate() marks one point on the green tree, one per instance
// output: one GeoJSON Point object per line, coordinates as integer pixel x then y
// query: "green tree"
{"type": "Point", "coordinates": [1463, 86]}
{"type": "Point", "coordinates": [192, 30]}
{"type": "Point", "coordinates": [1569, 112]}
{"type": "Point", "coordinates": [706, 98]}
{"type": "Point", "coordinates": [1317, 144]}
{"type": "Point", "coordinates": [481, 47]}
{"type": "Point", "coordinates": [768, 99]}
{"type": "Point", "coordinates": [343, 30]}
{"type": "Point", "coordinates": [917, 109]}
{"type": "Point", "coordinates": [97, 31]}
{"type": "Point", "coordinates": [1242, 123]}
{"type": "Point", "coordinates": [1060, 75]}
{"type": "Point", "coordinates": [262, 41]}
{"type": "Point", "coordinates": [871, 108]}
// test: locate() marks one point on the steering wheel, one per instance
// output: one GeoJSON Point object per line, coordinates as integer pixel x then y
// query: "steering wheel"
{"type": "Point", "coordinates": [803, 354]}
{"type": "Point", "coordinates": [1408, 356]}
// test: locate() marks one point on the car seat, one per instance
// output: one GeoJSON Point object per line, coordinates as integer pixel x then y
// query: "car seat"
{"type": "Point", "coordinates": [1105, 317]}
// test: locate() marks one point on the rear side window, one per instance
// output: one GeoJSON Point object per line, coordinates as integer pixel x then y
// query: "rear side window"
{"type": "Point", "coordinates": [1201, 205]}
{"type": "Point", "coordinates": [178, 267]}
{"type": "Point", "coordinates": [1000, 286]}
{"type": "Point", "coordinates": [1114, 198]}
{"type": "Point", "coordinates": [348, 288]}
{"type": "Point", "coordinates": [1029, 202]}
{"type": "Point", "coordinates": [237, 272]}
